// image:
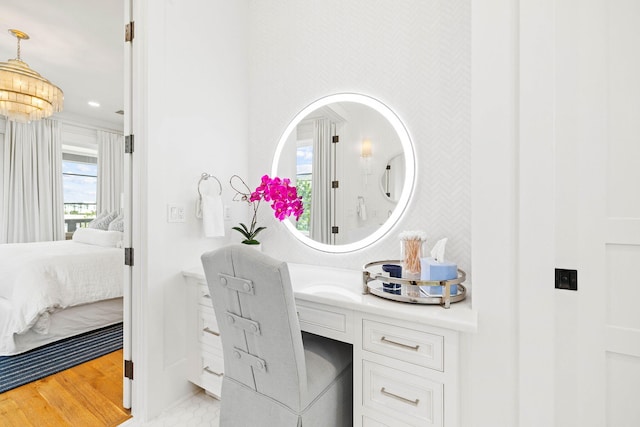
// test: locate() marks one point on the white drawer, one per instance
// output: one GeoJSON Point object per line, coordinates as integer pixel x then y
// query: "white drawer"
{"type": "Point", "coordinates": [208, 318]}
{"type": "Point", "coordinates": [209, 351]}
{"type": "Point", "coordinates": [212, 364]}
{"type": "Point", "coordinates": [204, 297]}
{"type": "Point", "coordinates": [417, 347]}
{"type": "Point", "coordinates": [381, 421]}
{"type": "Point", "coordinates": [211, 379]}
{"type": "Point", "coordinates": [333, 322]}
{"type": "Point", "coordinates": [409, 398]}
{"type": "Point", "coordinates": [209, 333]}
{"type": "Point", "coordinates": [368, 422]}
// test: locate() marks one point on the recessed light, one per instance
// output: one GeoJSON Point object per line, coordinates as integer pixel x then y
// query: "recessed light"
{"type": "Point", "coordinates": [93, 104]}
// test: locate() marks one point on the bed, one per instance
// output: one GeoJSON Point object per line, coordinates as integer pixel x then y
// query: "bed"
{"type": "Point", "coordinates": [53, 290]}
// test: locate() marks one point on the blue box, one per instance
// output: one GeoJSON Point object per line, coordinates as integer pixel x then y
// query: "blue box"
{"type": "Point", "coordinates": [433, 270]}
{"type": "Point", "coordinates": [437, 290]}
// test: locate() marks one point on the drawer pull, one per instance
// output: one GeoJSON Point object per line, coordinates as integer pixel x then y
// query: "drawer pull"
{"type": "Point", "coordinates": [410, 347]}
{"type": "Point", "coordinates": [209, 371]}
{"type": "Point", "coordinates": [211, 331]}
{"type": "Point", "coordinates": [402, 399]}
{"type": "Point", "coordinates": [206, 296]}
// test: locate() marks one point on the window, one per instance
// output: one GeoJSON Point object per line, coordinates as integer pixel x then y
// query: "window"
{"type": "Point", "coordinates": [304, 163]}
{"type": "Point", "coordinates": [79, 185]}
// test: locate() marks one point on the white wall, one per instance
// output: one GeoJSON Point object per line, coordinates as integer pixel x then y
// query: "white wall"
{"type": "Point", "coordinates": [194, 120]}
{"type": "Point", "coordinates": [493, 149]}
{"type": "Point", "coordinates": [414, 56]}
{"type": "Point", "coordinates": [489, 358]}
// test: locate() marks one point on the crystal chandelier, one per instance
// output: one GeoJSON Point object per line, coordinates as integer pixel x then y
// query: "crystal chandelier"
{"type": "Point", "coordinates": [24, 94]}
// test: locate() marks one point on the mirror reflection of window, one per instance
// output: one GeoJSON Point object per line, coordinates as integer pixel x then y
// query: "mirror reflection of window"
{"type": "Point", "coordinates": [304, 170]}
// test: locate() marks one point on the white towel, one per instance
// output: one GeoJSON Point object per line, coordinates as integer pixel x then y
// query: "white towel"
{"type": "Point", "coordinates": [212, 216]}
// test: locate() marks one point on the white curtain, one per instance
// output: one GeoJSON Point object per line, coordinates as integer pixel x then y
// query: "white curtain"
{"type": "Point", "coordinates": [32, 207]}
{"type": "Point", "coordinates": [110, 171]}
{"type": "Point", "coordinates": [320, 221]}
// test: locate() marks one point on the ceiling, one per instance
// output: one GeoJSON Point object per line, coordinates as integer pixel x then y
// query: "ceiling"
{"type": "Point", "coordinates": [76, 44]}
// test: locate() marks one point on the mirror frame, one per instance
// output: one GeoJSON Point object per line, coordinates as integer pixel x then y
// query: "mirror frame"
{"type": "Point", "coordinates": [410, 169]}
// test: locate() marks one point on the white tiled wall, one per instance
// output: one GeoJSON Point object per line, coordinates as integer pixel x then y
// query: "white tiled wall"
{"type": "Point", "coordinates": [414, 56]}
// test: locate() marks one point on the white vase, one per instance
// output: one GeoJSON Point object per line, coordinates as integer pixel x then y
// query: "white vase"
{"type": "Point", "coordinates": [257, 247]}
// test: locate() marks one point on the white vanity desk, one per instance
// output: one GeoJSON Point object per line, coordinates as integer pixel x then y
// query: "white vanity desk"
{"type": "Point", "coordinates": [405, 356]}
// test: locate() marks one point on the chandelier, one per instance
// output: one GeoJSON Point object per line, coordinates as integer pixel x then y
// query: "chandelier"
{"type": "Point", "coordinates": [24, 94]}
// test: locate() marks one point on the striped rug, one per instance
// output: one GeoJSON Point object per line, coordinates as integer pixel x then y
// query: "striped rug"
{"type": "Point", "coordinates": [58, 356]}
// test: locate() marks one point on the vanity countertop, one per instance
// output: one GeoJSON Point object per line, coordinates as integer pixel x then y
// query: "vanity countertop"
{"type": "Point", "coordinates": [343, 288]}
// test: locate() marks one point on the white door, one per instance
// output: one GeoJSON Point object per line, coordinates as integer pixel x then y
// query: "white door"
{"type": "Point", "coordinates": [622, 231]}
{"type": "Point", "coordinates": [598, 185]}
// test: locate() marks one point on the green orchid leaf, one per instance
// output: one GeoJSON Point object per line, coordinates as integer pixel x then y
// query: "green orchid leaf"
{"type": "Point", "coordinates": [257, 230]}
{"type": "Point", "coordinates": [243, 232]}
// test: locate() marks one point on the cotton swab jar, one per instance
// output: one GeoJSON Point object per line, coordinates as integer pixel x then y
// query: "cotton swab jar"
{"type": "Point", "coordinates": [411, 250]}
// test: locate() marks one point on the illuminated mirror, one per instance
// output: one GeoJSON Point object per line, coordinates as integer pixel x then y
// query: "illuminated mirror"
{"type": "Point", "coordinates": [334, 151]}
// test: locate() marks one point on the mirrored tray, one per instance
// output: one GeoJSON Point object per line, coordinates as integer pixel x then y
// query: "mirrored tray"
{"type": "Point", "coordinates": [409, 290]}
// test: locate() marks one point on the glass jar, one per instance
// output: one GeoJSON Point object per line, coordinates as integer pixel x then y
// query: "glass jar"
{"type": "Point", "coordinates": [411, 250]}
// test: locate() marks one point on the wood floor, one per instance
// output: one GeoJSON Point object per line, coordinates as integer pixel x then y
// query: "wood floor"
{"type": "Point", "coordinates": [88, 395]}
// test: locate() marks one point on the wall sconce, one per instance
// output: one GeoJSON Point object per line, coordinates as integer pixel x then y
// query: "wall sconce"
{"type": "Point", "coordinates": [365, 153]}
{"type": "Point", "coordinates": [365, 148]}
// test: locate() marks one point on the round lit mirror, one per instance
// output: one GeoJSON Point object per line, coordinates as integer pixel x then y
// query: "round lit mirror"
{"type": "Point", "coordinates": [334, 151]}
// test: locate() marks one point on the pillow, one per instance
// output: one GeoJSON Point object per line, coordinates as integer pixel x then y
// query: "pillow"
{"type": "Point", "coordinates": [102, 222]}
{"type": "Point", "coordinates": [117, 224]}
{"type": "Point", "coordinates": [99, 216]}
{"type": "Point", "coordinates": [97, 237]}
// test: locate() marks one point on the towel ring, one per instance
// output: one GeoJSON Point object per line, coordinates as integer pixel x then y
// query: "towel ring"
{"type": "Point", "coordinates": [204, 177]}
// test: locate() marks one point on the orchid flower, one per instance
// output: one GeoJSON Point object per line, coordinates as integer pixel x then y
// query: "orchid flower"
{"type": "Point", "coordinates": [284, 202]}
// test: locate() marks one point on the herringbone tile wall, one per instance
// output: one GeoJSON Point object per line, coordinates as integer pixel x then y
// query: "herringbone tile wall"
{"type": "Point", "coordinates": [414, 56]}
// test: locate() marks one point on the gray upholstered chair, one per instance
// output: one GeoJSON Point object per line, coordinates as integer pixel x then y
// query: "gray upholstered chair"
{"type": "Point", "coordinates": [274, 375]}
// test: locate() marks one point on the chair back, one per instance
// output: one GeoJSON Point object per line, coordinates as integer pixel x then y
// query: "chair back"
{"type": "Point", "coordinates": [259, 327]}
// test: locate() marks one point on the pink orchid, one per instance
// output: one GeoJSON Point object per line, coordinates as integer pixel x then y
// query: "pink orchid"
{"type": "Point", "coordinates": [284, 202]}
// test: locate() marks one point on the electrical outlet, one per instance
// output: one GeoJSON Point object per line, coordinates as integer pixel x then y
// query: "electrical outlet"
{"type": "Point", "coordinates": [175, 213]}
{"type": "Point", "coordinates": [566, 279]}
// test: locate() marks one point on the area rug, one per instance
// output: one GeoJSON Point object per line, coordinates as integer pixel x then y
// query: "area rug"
{"type": "Point", "coordinates": [58, 356]}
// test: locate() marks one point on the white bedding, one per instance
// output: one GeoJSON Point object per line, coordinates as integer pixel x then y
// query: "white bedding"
{"type": "Point", "coordinates": [70, 322]}
{"type": "Point", "coordinates": [39, 278]}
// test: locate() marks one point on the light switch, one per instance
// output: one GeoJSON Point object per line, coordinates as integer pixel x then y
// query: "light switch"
{"type": "Point", "coordinates": [566, 279]}
{"type": "Point", "coordinates": [175, 213]}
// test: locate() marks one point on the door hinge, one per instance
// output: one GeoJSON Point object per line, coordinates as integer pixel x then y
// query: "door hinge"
{"type": "Point", "coordinates": [128, 256]}
{"type": "Point", "coordinates": [335, 229]}
{"type": "Point", "coordinates": [335, 184]}
{"type": "Point", "coordinates": [129, 32]}
{"type": "Point", "coordinates": [335, 139]}
{"type": "Point", "coordinates": [128, 144]}
{"type": "Point", "coordinates": [128, 369]}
